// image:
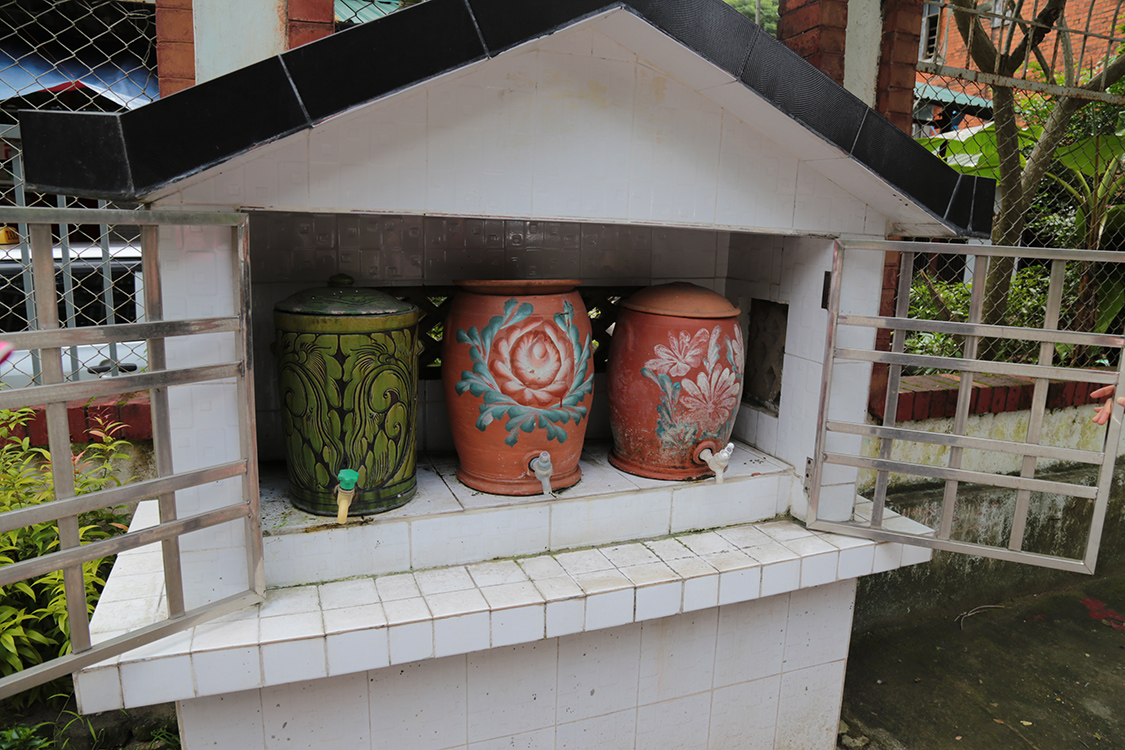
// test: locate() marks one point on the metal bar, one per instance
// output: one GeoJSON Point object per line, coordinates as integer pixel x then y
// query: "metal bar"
{"type": "Point", "coordinates": [33, 215]}
{"type": "Point", "coordinates": [964, 475]}
{"type": "Point", "coordinates": [1025, 84]}
{"type": "Point", "coordinates": [107, 290]}
{"type": "Point", "coordinates": [894, 379]}
{"type": "Point", "coordinates": [25, 261]}
{"type": "Point", "coordinates": [120, 332]}
{"type": "Point", "coordinates": [126, 493]}
{"type": "Point", "coordinates": [68, 285]}
{"type": "Point", "coordinates": [980, 366]}
{"type": "Point", "coordinates": [1038, 402]}
{"type": "Point", "coordinates": [968, 442]}
{"type": "Point", "coordinates": [247, 427]}
{"type": "Point", "coordinates": [64, 665]}
{"type": "Point", "coordinates": [1036, 253]}
{"type": "Point", "coordinates": [826, 380]}
{"type": "Point", "coordinates": [1105, 477]}
{"type": "Point", "coordinates": [58, 437]}
{"type": "Point", "coordinates": [964, 394]}
{"type": "Point", "coordinates": [161, 416]}
{"type": "Point", "coordinates": [35, 395]}
{"type": "Point", "coordinates": [958, 328]}
{"type": "Point", "coordinates": [950, 545]}
{"type": "Point", "coordinates": [75, 556]}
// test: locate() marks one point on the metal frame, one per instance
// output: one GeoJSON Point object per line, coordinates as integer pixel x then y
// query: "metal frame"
{"type": "Point", "coordinates": [952, 473]}
{"type": "Point", "coordinates": [54, 394]}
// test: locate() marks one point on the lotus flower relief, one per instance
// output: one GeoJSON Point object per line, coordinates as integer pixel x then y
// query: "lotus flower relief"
{"type": "Point", "coordinates": [682, 355]}
{"type": "Point", "coordinates": [532, 363]}
{"type": "Point", "coordinates": [709, 400]}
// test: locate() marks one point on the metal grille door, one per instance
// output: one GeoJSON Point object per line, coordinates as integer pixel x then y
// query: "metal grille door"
{"type": "Point", "coordinates": [50, 342]}
{"type": "Point", "coordinates": [1045, 343]}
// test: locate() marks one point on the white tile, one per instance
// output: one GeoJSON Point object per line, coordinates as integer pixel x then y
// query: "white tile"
{"type": "Point", "coordinates": [808, 709]}
{"type": "Point", "coordinates": [705, 543]}
{"type": "Point", "coordinates": [292, 661]}
{"type": "Point", "coordinates": [357, 651]}
{"type": "Point", "coordinates": [616, 730]}
{"type": "Point", "coordinates": [512, 690]}
{"type": "Point", "coordinates": [669, 549]}
{"type": "Point", "coordinates": [496, 573]}
{"type": "Point", "coordinates": [230, 720]}
{"type": "Point", "coordinates": [817, 570]}
{"type": "Point", "coordinates": [819, 625]}
{"type": "Point", "coordinates": [540, 739]}
{"type": "Point", "coordinates": [518, 625]}
{"type": "Point", "coordinates": [677, 656]}
{"type": "Point", "coordinates": [218, 635]}
{"type": "Point", "coordinates": [291, 627]}
{"type": "Point", "coordinates": [580, 523]}
{"type": "Point", "coordinates": [543, 566]}
{"type": "Point", "coordinates": [227, 671]}
{"type": "Point", "coordinates": [402, 586]}
{"type": "Point", "coordinates": [744, 715]}
{"type": "Point", "coordinates": [441, 580]}
{"type": "Point", "coordinates": [351, 593]}
{"type": "Point", "coordinates": [674, 724]}
{"type": "Point", "coordinates": [607, 610]}
{"type": "Point", "coordinates": [707, 505]}
{"type": "Point", "coordinates": [583, 561]}
{"type": "Point", "coordinates": [625, 555]}
{"type": "Point", "coordinates": [401, 611]}
{"type": "Point", "coordinates": [98, 689]}
{"type": "Point", "coordinates": [915, 555]}
{"type": "Point", "coordinates": [739, 585]}
{"type": "Point", "coordinates": [364, 617]}
{"type": "Point", "coordinates": [511, 595]}
{"type": "Point", "coordinates": [322, 713]}
{"type": "Point", "coordinates": [155, 681]}
{"type": "Point", "coordinates": [565, 617]}
{"type": "Point", "coordinates": [554, 589]}
{"type": "Point", "coordinates": [453, 603]}
{"type": "Point", "coordinates": [888, 556]}
{"type": "Point", "coordinates": [480, 535]}
{"type": "Point", "coordinates": [421, 706]}
{"type": "Point", "coordinates": [856, 561]}
{"type": "Point", "coordinates": [602, 580]}
{"type": "Point", "coordinates": [300, 599]}
{"type": "Point", "coordinates": [658, 600]}
{"type": "Point", "coordinates": [751, 640]}
{"type": "Point", "coordinates": [411, 641]}
{"type": "Point", "coordinates": [650, 573]}
{"type": "Point", "coordinates": [598, 673]}
{"type": "Point", "coordinates": [461, 634]}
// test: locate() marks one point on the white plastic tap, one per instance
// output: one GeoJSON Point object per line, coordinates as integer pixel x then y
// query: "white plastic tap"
{"type": "Point", "coordinates": [717, 462]}
{"type": "Point", "coordinates": [542, 467]}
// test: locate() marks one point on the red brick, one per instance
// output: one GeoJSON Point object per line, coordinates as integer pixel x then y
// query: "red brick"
{"type": "Point", "coordinates": [317, 11]}
{"type": "Point", "coordinates": [938, 400]}
{"type": "Point", "coordinates": [905, 410]}
{"type": "Point", "coordinates": [983, 401]}
{"type": "Point", "coordinates": [786, 7]}
{"type": "Point", "coordinates": [169, 86]}
{"type": "Point", "coordinates": [302, 33]}
{"type": "Point", "coordinates": [805, 43]}
{"type": "Point", "coordinates": [160, 4]}
{"type": "Point", "coordinates": [174, 25]}
{"type": "Point", "coordinates": [921, 408]}
{"type": "Point", "coordinates": [1055, 394]}
{"type": "Point", "coordinates": [1013, 402]}
{"type": "Point", "coordinates": [1068, 393]}
{"type": "Point", "coordinates": [834, 15]}
{"type": "Point", "coordinates": [176, 60]}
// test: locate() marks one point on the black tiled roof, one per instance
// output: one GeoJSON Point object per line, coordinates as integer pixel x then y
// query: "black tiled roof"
{"type": "Point", "coordinates": [130, 155]}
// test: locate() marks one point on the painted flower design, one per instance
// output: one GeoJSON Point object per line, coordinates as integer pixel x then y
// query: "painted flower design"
{"type": "Point", "coordinates": [683, 354]}
{"type": "Point", "coordinates": [532, 363]}
{"type": "Point", "coordinates": [709, 400]}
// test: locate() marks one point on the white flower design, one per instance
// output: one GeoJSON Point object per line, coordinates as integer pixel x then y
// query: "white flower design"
{"type": "Point", "coordinates": [683, 354]}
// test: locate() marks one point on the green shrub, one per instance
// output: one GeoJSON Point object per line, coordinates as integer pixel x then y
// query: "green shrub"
{"type": "Point", "coordinates": [24, 738]}
{"type": "Point", "coordinates": [34, 623]}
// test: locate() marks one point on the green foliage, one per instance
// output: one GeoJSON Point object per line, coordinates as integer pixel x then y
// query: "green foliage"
{"type": "Point", "coordinates": [1027, 304]}
{"type": "Point", "coordinates": [769, 13]}
{"type": "Point", "coordinates": [24, 738]}
{"type": "Point", "coordinates": [34, 622]}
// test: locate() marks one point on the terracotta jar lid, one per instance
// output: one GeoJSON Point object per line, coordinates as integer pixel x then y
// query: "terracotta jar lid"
{"type": "Point", "coordinates": [682, 300]}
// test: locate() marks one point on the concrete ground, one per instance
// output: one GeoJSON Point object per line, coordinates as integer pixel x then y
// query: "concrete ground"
{"type": "Point", "coordinates": [1045, 671]}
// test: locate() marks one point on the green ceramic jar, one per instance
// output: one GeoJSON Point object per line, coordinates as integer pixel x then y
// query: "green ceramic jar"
{"type": "Point", "coordinates": [348, 377]}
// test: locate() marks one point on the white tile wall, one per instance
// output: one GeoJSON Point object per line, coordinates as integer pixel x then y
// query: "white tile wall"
{"type": "Point", "coordinates": [714, 678]}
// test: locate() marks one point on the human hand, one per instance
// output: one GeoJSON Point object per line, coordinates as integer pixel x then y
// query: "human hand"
{"type": "Point", "coordinates": [1101, 416]}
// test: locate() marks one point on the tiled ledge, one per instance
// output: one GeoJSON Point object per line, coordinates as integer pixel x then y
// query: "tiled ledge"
{"type": "Point", "coordinates": [447, 523]}
{"type": "Point", "coordinates": [370, 622]}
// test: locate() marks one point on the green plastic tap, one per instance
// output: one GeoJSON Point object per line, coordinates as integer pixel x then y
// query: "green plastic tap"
{"type": "Point", "coordinates": [347, 478]}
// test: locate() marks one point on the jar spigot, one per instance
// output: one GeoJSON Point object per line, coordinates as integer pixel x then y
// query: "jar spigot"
{"type": "Point", "coordinates": [345, 491]}
{"type": "Point", "coordinates": [541, 466]}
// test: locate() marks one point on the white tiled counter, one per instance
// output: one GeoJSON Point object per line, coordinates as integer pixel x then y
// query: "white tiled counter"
{"type": "Point", "coordinates": [735, 626]}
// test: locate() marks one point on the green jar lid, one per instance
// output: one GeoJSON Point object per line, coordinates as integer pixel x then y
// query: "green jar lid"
{"type": "Point", "coordinates": [340, 297]}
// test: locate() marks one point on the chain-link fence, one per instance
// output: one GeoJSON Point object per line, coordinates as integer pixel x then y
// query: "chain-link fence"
{"type": "Point", "coordinates": [1033, 96]}
{"type": "Point", "coordinates": [80, 55]}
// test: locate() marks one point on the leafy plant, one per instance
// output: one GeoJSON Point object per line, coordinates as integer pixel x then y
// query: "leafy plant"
{"type": "Point", "coordinates": [24, 738]}
{"type": "Point", "coordinates": [34, 622]}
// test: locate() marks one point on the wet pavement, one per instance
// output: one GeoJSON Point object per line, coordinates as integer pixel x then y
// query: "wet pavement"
{"type": "Point", "coordinates": [1046, 671]}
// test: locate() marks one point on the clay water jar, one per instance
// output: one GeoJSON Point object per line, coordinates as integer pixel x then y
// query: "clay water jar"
{"type": "Point", "coordinates": [518, 374]}
{"type": "Point", "coordinates": [674, 376]}
{"type": "Point", "coordinates": [348, 381]}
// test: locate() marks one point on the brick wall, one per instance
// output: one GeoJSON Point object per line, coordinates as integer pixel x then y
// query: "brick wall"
{"type": "Point", "coordinates": [894, 86]}
{"type": "Point", "coordinates": [816, 29]}
{"type": "Point", "coordinates": [308, 20]}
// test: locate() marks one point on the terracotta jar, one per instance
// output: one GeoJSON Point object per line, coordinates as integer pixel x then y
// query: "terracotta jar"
{"type": "Point", "coordinates": [348, 378]}
{"type": "Point", "coordinates": [518, 373]}
{"type": "Point", "coordinates": [675, 380]}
